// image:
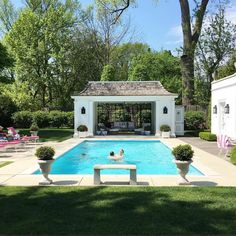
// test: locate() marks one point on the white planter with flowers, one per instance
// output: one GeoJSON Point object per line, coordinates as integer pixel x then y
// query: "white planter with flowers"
{"type": "Point", "coordinates": [45, 159]}
{"type": "Point", "coordinates": [83, 131]}
{"type": "Point", "coordinates": [165, 131]}
{"type": "Point", "coordinates": [183, 158]}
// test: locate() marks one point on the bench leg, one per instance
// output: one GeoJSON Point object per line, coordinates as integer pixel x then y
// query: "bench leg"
{"type": "Point", "coordinates": [96, 177]}
{"type": "Point", "coordinates": [133, 177]}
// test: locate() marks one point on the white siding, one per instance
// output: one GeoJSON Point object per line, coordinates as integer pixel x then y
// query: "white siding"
{"type": "Point", "coordinates": [223, 93]}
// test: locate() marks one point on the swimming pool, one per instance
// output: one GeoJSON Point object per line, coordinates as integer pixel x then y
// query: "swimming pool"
{"type": "Point", "coordinates": [150, 157]}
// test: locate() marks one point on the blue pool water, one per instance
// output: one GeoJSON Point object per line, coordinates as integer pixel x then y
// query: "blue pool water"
{"type": "Point", "coordinates": [150, 157]}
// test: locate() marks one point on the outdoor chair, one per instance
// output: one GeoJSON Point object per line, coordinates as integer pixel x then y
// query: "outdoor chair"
{"type": "Point", "coordinates": [225, 143]}
{"type": "Point", "coordinates": [10, 144]}
{"type": "Point", "coordinates": [14, 133]}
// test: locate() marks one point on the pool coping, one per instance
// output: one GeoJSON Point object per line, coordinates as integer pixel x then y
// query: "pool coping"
{"type": "Point", "coordinates": [217, 172]}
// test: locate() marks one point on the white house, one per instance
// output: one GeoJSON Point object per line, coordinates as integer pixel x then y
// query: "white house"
{"type": "Point", "coordinates": [132, 93]}
{"type": "Point", "coordinates": [223, 118]}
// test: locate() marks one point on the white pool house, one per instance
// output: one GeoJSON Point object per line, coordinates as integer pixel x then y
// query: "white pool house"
{"type": "Point", "coordinates": [126, 107]}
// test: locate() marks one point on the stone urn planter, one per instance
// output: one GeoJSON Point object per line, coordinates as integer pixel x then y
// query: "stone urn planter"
{"type": "Point", "coordinates": [45, 168]}
{"type": "Point", "coordinates": [183, 158]}
{"type": "Point", "coordinates": [34, 129]}
{"type": "Point", "coordinates": [45, 159]}
{"type": "Point", "coordinates": [34, 133]}
{"type": "Point", "coordinates": [165, 131]}
{"type": "Point", "coordinates": [183, 168]}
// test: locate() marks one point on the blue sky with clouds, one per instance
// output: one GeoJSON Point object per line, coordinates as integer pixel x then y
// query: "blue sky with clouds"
{"type": "Point", "coordinates": [157, 23]}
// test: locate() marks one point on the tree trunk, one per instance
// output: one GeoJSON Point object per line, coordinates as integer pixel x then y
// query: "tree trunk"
{"type": "Point", "coordinates": [187, 70]}
{"type": "Point", "coordinates": [190, 39]}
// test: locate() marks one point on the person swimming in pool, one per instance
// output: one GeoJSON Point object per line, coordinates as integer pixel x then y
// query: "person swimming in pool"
{"type": "Point", "coordinates": [117, 157]}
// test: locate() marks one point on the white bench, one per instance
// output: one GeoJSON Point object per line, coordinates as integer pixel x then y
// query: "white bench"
{"type": "Point", "coordinates": [98, 168]}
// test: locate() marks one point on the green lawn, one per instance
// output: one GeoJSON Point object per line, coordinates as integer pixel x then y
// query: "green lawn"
{"type": "Point", "coordinates": [117, 211]}
{"type": "Point", "coordinates": [52, 134]}
{"type": "Point", "coordinates": [5, 163]}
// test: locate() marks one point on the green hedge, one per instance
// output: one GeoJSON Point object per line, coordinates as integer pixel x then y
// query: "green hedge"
{"type": "Point", "coordinates": [233, 156]}
{"type": "Point", "coordinates": [207, 136]}
{"type": "Point", "coordinates": [194, 120]}
{"type": "Point", "coordinates": [22, 119]}
{"type": "Point", "coordinates": [43, 119]}
{"type": "Point", "coordinates": [70, 119]}
{"type": "Point", "coordinates": [57, 118]}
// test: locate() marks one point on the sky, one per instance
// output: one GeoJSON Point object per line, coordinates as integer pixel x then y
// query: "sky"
{"type": "Point", "coordinates": [157, 23]}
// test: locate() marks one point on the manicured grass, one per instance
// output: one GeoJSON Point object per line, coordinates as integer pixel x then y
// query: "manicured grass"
{"type": "Point", "coordinates": [117, 211]}
{"type": "Point", "coordinates": [52, 134]}
{"type": "Point", "coordinates": [5, 163]}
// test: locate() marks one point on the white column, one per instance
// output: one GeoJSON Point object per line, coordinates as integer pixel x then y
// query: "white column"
{"type": "Point", "coordinates": [157, 118]}
{"type": "Point", "coordinates": [91, 119]}
{"type": "Point", "coordinates": [172, 106]}
{"type": "Point", "coordinates": [76, 117]}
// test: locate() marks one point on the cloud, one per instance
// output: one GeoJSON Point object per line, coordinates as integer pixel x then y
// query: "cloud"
{"type": "Point", "coordinates": [231, 14]}
{"type": "Point", "coordinates": [174, 42]}
{"type": "Point", "coordinates": [174, 35]}
{"type": "Point", "coordinates": [175, 31]}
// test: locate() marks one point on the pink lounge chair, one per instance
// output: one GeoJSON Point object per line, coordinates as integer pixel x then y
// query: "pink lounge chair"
{"type": "Point", "coordinates": [34, 138]}
{"type": "Point", "coordinates": [224, 143]}
{"type": "Point", "coordinates": [2, 146]}
{"type": "Point", "coordinates": [14, 143]}
{"type": "Point", "coordinates": [13, 132]}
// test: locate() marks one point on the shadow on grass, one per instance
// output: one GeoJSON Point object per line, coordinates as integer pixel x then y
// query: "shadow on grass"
{"type": "Point", "coordinates": [65, 182]}
{"type": "Point", "coordinates": [123, 183]}
{"type": "Point", "coordinates": [117, 211]}
{"type": "Point", "coordinates": [203, 183]}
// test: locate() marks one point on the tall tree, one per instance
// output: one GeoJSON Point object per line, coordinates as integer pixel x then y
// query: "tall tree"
{"type": "Point", "coordinates": [6, 61]}
{"type": "Point", "coordinates": [40, 41]}
{"type": "Point", "coordinates": [191, 33]}
{"type": "Point", "coordinates": [8, 15]}
{"type": "Point", "coordinates": [108, 73]}
{"type": "Point", "coordinates": [162, 66]}
{"type": "Point", "coordinates": [122, 56]}
{"type": "Point", "coordinates": [103, 28]}
{"type": "Point", "coordinates": [215, 45]}
{"type": "Point", "coordinates": [229, 67]}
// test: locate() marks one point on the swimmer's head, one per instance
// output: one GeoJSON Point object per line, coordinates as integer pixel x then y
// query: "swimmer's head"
{"type": "Point", "coordinates": [112, 153]}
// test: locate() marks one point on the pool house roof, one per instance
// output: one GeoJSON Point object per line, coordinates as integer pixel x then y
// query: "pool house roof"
{"type": "Point", "coordinates": [124, 88]}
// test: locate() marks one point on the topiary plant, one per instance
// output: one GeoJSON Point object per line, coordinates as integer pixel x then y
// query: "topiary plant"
{"type": "Point", "coordinates": [82, 128]}
{"type": "Point", "coordinates": [34, 127]}
{"type": "Point", "coordinates": [45, 153]}
{"type": "Point", "coordinates": [183, 152]}
{"type": "Point", "coordinates": [207, 136]}
{"type": "Point", "coordinates": [165, 128]}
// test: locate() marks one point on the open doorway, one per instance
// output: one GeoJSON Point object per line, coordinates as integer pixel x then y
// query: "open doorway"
{"type": "Point", "coordinates": [124, 118]}
{"type": "Point", "coordinates": [221, 117]}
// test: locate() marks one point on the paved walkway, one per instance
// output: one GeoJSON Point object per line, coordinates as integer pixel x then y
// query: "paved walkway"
{"type": "Point", "coordinates": [210, 147]}
{"type": "Point", "coordinates": [216, 170]}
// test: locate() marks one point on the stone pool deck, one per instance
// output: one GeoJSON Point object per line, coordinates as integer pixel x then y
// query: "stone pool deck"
{"type": "Point", "coordinates": [218, 171]}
